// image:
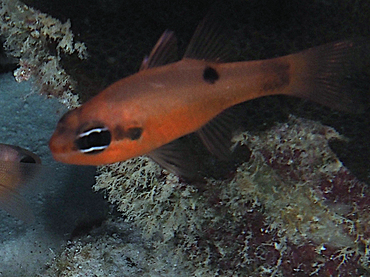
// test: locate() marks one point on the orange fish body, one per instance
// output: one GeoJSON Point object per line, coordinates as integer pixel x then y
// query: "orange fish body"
{"type": "Point", "coordinates": [166, 103]}
{"type": "Point", "coordinates": [142, 113]}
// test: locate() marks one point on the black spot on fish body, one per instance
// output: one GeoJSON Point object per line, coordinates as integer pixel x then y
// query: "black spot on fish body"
{"type": "Point", "coordinates": [210, 75]}
{"type": "Point", "coordinates": [134, 133]}
{"type": "Point", "coordinates": [119, 133]}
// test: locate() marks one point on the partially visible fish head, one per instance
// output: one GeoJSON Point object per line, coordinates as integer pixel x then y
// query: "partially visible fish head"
{"type": "Point", "coordinates": [17, 167]}
{"type": "Point", "coordinates": [12, 153]}
{"type": "Point", "coordinates": [15, 160]}
{"type": "Point", "coordinates": [87, 136]}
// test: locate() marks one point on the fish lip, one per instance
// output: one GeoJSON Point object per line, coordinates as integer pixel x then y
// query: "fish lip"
{"type": "Point", "coordinates": [52, 146]}
{"type": "Point", "coordinates": [60, 155]}
{"type": "Point", "coordinates": [56, 146]}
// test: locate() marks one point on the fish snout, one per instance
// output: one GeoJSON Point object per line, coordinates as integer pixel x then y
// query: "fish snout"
{"type": "Point", "coordinates": [58, 145]}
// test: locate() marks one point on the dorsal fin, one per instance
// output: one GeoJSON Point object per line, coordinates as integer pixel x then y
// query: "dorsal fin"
{"type": "Point", "coordinates": [164, 52]}
{"type": "Point", "coordinates": [210, 41]}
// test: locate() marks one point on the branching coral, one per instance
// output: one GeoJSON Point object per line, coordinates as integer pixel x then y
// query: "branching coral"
{"type": "Point", "coordinates": [292, 161]}
{"type": "Point", "coordinates": [151, 197]}
{"type": "Point", "coordinates": [32, 37]}
{"type": "Point", "coordinates": [114, 249]}
{"type": "Point", "coordinates": [277, 216]}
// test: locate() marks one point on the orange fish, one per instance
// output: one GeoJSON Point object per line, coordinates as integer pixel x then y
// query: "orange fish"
{"type": "Point", "coordinates": [147, 112]}
{"type": "Point", "coordinates": [17, 167]}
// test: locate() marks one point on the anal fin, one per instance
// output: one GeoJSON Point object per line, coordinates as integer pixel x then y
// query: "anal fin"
{"type": "Point", "coordinates": [177, 158]}
{"type": "Point", "coordinates": [216, 135]}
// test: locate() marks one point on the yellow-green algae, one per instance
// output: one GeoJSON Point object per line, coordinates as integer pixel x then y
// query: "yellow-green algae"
{"type": "Point", "coordinates": [294, 208]}
{"type": "Point", "coordinates": [32, 37]}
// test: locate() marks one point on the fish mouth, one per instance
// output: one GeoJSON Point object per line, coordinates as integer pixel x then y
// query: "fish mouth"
{"type": "Point", "coordinates": [66, 152]}
{"type": "Point", "coordinates": [61, 155]}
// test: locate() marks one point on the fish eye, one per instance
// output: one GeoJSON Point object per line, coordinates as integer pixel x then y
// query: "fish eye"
{"type": "Point", "coordinates": [28, 159]}
{"type": "Point", "coordinates": [94, 140]}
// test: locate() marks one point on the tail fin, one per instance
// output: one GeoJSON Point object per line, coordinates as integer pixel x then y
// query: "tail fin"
{"type": "Point", "coordinates": [335, 74]}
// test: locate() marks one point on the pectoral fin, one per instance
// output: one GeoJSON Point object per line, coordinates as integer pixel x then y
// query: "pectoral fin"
{"type": "Point", "coordinates": [216, 135]}
{"type": "Point", "coordinates": [177, 158]}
